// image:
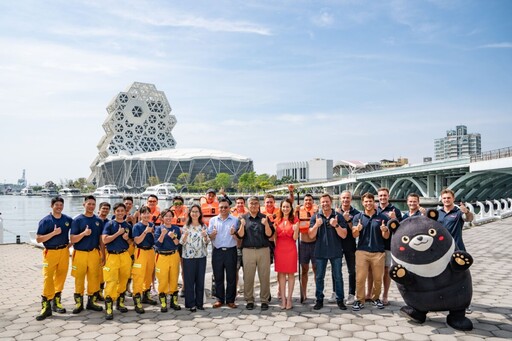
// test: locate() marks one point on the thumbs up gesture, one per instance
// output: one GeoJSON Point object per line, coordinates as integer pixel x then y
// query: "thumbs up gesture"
{"type": "Point", "coordinates": [383, 226]}
{"type": "Point", "coordinates": [333, 222]}
{"type": "Point", "coordinates": [318, 221]}
{"type": "Point", "coordinates": [56, 230]}
{"type": "Point", "coordinates": [232, 230]}
{"type": "Point", "coordinates": [358, 227]}
{"type": "Point", "coordinates": [346, 216]}
{"type": "Point", "coordinates": [264, 221]}
{"type": "Point", "coordinates": [214, 231]}
{"type": "Point", "coordinates": [163, 230]}
{"type": "Point", "coordinates": [463, 208]}
{"type": "Point", "coordinates": [87, 231]}
{"type": "Point", "coordinates": [392, 214]}
{"type": "Point", "coordinates": [120, 231]}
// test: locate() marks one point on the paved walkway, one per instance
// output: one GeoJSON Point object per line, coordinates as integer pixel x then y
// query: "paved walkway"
{"type": "Point", "coordinates": [20, 286]}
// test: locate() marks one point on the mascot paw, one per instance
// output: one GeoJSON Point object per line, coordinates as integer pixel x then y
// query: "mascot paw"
{"type": "Point", "coordinates": [461, 260]}
{"type": "Point", "coordinates": [459, 322]}
{"type": "Point", "coordinates": [399, 274]}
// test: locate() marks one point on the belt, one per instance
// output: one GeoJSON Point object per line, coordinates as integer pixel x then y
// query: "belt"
{"type": "Point", "coordinates": [94, 248]}
{"type": "Point", "coordinates": [254, 247]}
{"type": "Point", "coordinates": [144, 247]}
{"type": "Point", "coordinates": [167, 253]}
{"type": "Point", "coordinates": [117, 252]}
{"type": "Point", "coordinates": [224, 248]}
{"type": "Point", "coordinates": [313, 242]}
{"type": "Point", "coordinates": [58, 247]}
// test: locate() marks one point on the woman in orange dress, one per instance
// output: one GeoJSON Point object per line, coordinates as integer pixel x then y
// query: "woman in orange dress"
{"type": "Point", "coordinates": [287, 232]}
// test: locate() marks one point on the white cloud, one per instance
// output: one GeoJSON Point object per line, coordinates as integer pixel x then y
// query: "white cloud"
{"type": "Point", "coordinates": [504, 45]}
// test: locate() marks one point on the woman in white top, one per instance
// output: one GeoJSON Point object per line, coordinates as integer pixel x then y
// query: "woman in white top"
{"type": "Point", "coordinates": [195, 241]}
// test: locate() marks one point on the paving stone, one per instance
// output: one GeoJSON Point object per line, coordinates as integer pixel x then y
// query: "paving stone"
{"type": "Point", "coordinates": [254, 336]}
{"type": "Point", "coordinates": [316, 332]}
{"type": "Point", "coordinates": [365, 335]}
{"type": "Point", "coordinates": [389, 336]}
{"type": "Point", "coordinates": [415, 337]}
{"type": "Point", "coordinates": [228, 334]}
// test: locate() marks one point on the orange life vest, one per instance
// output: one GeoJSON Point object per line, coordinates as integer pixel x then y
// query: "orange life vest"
{"type": "Point", "coordinates": [235, 213]}
{"type": "Point", "coordinates": [209, 210]}
{"type": "Point", "coordinates": [179, 219]}
{"type": "Point", "coordinates": [155, 216]}
{"type": "Point", "coordinates": [270, 216]}
{"type": "Point", "coordinates": [305, 217]}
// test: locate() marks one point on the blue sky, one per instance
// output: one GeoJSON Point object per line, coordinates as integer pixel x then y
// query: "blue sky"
{"type": "Point", "coordinates": [272, 80]}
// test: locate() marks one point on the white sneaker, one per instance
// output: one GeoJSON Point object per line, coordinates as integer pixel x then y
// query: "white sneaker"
{"type": "Point", "coordinates": [350, 299]}
{"type": "Point", "coordinates": [333, 298]}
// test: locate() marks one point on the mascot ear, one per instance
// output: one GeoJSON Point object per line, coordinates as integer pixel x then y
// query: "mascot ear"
{"type": "Point", "coordinates": [432, 214]}
{"type": "Point", "coordinates": [393, 224]}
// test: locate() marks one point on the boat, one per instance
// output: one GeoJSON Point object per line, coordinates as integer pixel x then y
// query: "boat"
{"type": "Point", "coordinates": [27, 191]}
{"type": "Point", "coordinates": [108, 192]}
{"type": "Point", "coordinates": [164, 191]}
{"type": "Point", "coordinates": [49, 192]}
{"type": "Point", "coordinates": [70, 192]}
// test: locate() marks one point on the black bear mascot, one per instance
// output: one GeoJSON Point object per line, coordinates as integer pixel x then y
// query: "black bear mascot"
{"type": "Point", "coordinates": [430, 273]}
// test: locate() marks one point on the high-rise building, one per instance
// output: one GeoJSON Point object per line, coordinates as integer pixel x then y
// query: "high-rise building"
{"type": "Point", "coordinates": [458, 143]}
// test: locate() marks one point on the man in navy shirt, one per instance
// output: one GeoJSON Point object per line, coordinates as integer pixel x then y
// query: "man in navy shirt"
{"type": "Point", "coordinates": [116, 235]}
{"type": "Point", "coordinates": [370, 227]}
{"type": "Point", "coordinates": [53, 232]}
{"type": "Point", "coordinates": [88, 255]}
{"type": "Point", "coordinates": [413, 202]}
{"type": "Point", "coordinates": [329, 228]}
{"type": "Point", "coordinates": [390, 212]}
{"type": "Point", "coordinates": [453, 218]}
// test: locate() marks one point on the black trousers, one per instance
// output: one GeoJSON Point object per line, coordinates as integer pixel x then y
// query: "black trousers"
{"type": "Point", "coordinates": [224, 263]}
{"type": "Point", "coordinates": [194, 270]}
{"type": "Point", "coordinates": [350, 259]}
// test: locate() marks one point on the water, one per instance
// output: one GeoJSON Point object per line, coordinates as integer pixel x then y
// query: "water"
{"type": "Point", "coordinates": [22, 214]}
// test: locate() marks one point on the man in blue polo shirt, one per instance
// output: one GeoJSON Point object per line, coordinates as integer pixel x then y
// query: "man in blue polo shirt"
{"type": "Point", "coordinates": [390, 212]}
{"type": "Point", "coordinates": [413, 203]}
{"type": "Point", "coordinates": [370, 227]}
{"type": "Point", "coordinates": [88, 255]}
{"type": "Point", "coordinates": [224, 256]}
{"type": "Point", "coordinates": [116, 236]}
{"type": "Point", "coordinates": [329, 228]}
{"type": "Point", "coordinates": [453, 218]}
{"type": "Point", "coordinates": [53, 232]}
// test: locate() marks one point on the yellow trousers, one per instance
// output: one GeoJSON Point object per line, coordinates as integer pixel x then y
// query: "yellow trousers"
{"type": "Point", "coordinates": [86, 263]}
{"type": "Point", "coordinates": [142, 270]}
{"type": "Point", "coordinates": [116, 273]}
{"type": "Point", "coordinates": [55, 270]}
{"type": "Point", "coordinates": [167, 272]}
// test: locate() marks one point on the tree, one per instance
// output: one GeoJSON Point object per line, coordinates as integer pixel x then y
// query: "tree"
{"type": "Point", "coordinates": [183, 179]}
{"type": "Point", "coordinates": [263, 182]}
{"type": "Point", "coordinates": [247, 182]}
{"type": "Point", "coordinates": [153, 180]}
{"type": "Point", "coordinates": [223, 180]}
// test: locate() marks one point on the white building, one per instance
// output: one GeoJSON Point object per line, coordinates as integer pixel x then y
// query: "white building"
{"type": "Point", "coordinates": [457, 143]}
{"type": "Point", "coordinates": [313, 170]}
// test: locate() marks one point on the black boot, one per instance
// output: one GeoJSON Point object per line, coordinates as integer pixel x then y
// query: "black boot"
{"type": "Point", "coordinates": [413, 314]}
{"type": "Point", "coordinates": [174, 301]}
{"type": "Point", "coordinates": [120, 304]}
{"type": "Point", "coordinates": [163, 302]}
{"type": "Point", "coordinates": [99, 294]}
{"type": "Point", "coordinates": [79, 303]}
{"type": "Point", "coordinates": [46, 309]}
{"type": "Point", "coordinates": [146, 298]}
{"type": "Point", "coordinates": [457, 320]}
{"type": "Point", "coordinates": [138, 304]}
{"type": "Point", "coordinates": [56, 305]}
{"type": "Point", "coordinates": [91, 303]}
{"type": "Point", "coordinates": [109, 308]}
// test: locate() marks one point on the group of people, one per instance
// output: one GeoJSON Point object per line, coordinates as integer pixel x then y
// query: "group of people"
{"type": "Point", "coordinates": [150, 243]}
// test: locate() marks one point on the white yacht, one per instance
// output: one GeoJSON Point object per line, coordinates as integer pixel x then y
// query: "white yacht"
{"type": "Point", "coordinates": [165, 191]}
{"type": "Point", "coordinates": [27, 191]}
{"type": "Point", "coordinates": [70, 192]}
{"type": "Point", "coordinates": [49, 192]}
{"type": "Point", "coordinates": [107, 191]}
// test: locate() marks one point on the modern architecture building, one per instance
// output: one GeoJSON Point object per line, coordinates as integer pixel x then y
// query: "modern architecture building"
{"type": "Point", "coordinates": [313, 170]}
{"type": "Point", "coordinates": [457, 143]}
{"type": "Point", "coordinates": [138, 144]}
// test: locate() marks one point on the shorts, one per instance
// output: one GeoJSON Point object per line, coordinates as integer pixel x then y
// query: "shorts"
{"type": "Point", "coordinates": [387, 263]}
{"type": "Point", "coordinates": [307, 252]}
{"type": "Point", "coordinates": [239, 260]}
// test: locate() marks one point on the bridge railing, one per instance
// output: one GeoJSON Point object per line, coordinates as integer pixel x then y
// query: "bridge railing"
{"type": "Point", "coordinates": [493, 154]}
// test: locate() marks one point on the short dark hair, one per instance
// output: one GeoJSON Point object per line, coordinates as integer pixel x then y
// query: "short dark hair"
{"type": "Point", "coordinates": [89, 197]}
{"type": "Point", "coordinates": [325, 195]}
{"type": "Point", "coordinates": [178, 197]}
{"type": "Point", "coordinates": [268, 196]}
{"type": "Point", "coordinates": [383, 189]}
{"type": "Point", "coordinates": [56, 200]}
{"type": "Point", "coordinates": [308, 195]}
{"type": "Point", "coordinates": [119, 204]}
{"type": "Point", "coordinates": [241, 198]}
{"type": "Point", "coordinates": [368, 195]}
{"type": "Point", "coordinates": [153, 196]}
{"type": "Point", "coordinates": [144, 209]}
{"type": "Point", "coordinates": [414, 195]}
{"type": "Point", "coordinates": [104, 203]}
{"type": "Point", "coordinates": [164, 212]}
{"type": "Point", "coordinates": [128, 197]}
{"type": "Point", "coordinates": [224, 200]}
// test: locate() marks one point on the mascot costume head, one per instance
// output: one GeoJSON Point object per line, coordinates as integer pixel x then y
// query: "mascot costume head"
{"type": "Point", "coordinates": [430, 273]}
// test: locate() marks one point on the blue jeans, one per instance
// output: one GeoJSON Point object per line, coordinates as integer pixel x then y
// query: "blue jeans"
{"type": "Point", "coordinates": [321, 265]}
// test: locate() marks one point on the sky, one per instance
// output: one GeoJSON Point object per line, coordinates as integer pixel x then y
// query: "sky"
{"type": "Point", "coordinates": [275, 81]}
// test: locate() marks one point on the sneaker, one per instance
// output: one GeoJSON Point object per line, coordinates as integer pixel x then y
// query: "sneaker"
{"type": "Point", "coordinates": [378, 304]}
{"type": "Point", "coordinates": [357, 306]}
{"type": "Point", "coordinates": [342, 305]}
{"type": "Point", "coordinates": [264, 306]}
{"type": "Point", "coordinates": [333, 298]}
{"type": "Point", "coordinates": [318, 305]}
{"type": "Point", "coordinates": [469, 310]}
{"type": "Point", "coordinates": [350, 299]}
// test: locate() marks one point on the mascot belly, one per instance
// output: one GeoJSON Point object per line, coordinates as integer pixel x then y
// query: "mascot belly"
{"type": "Point", "coordinates": [430, 273]}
